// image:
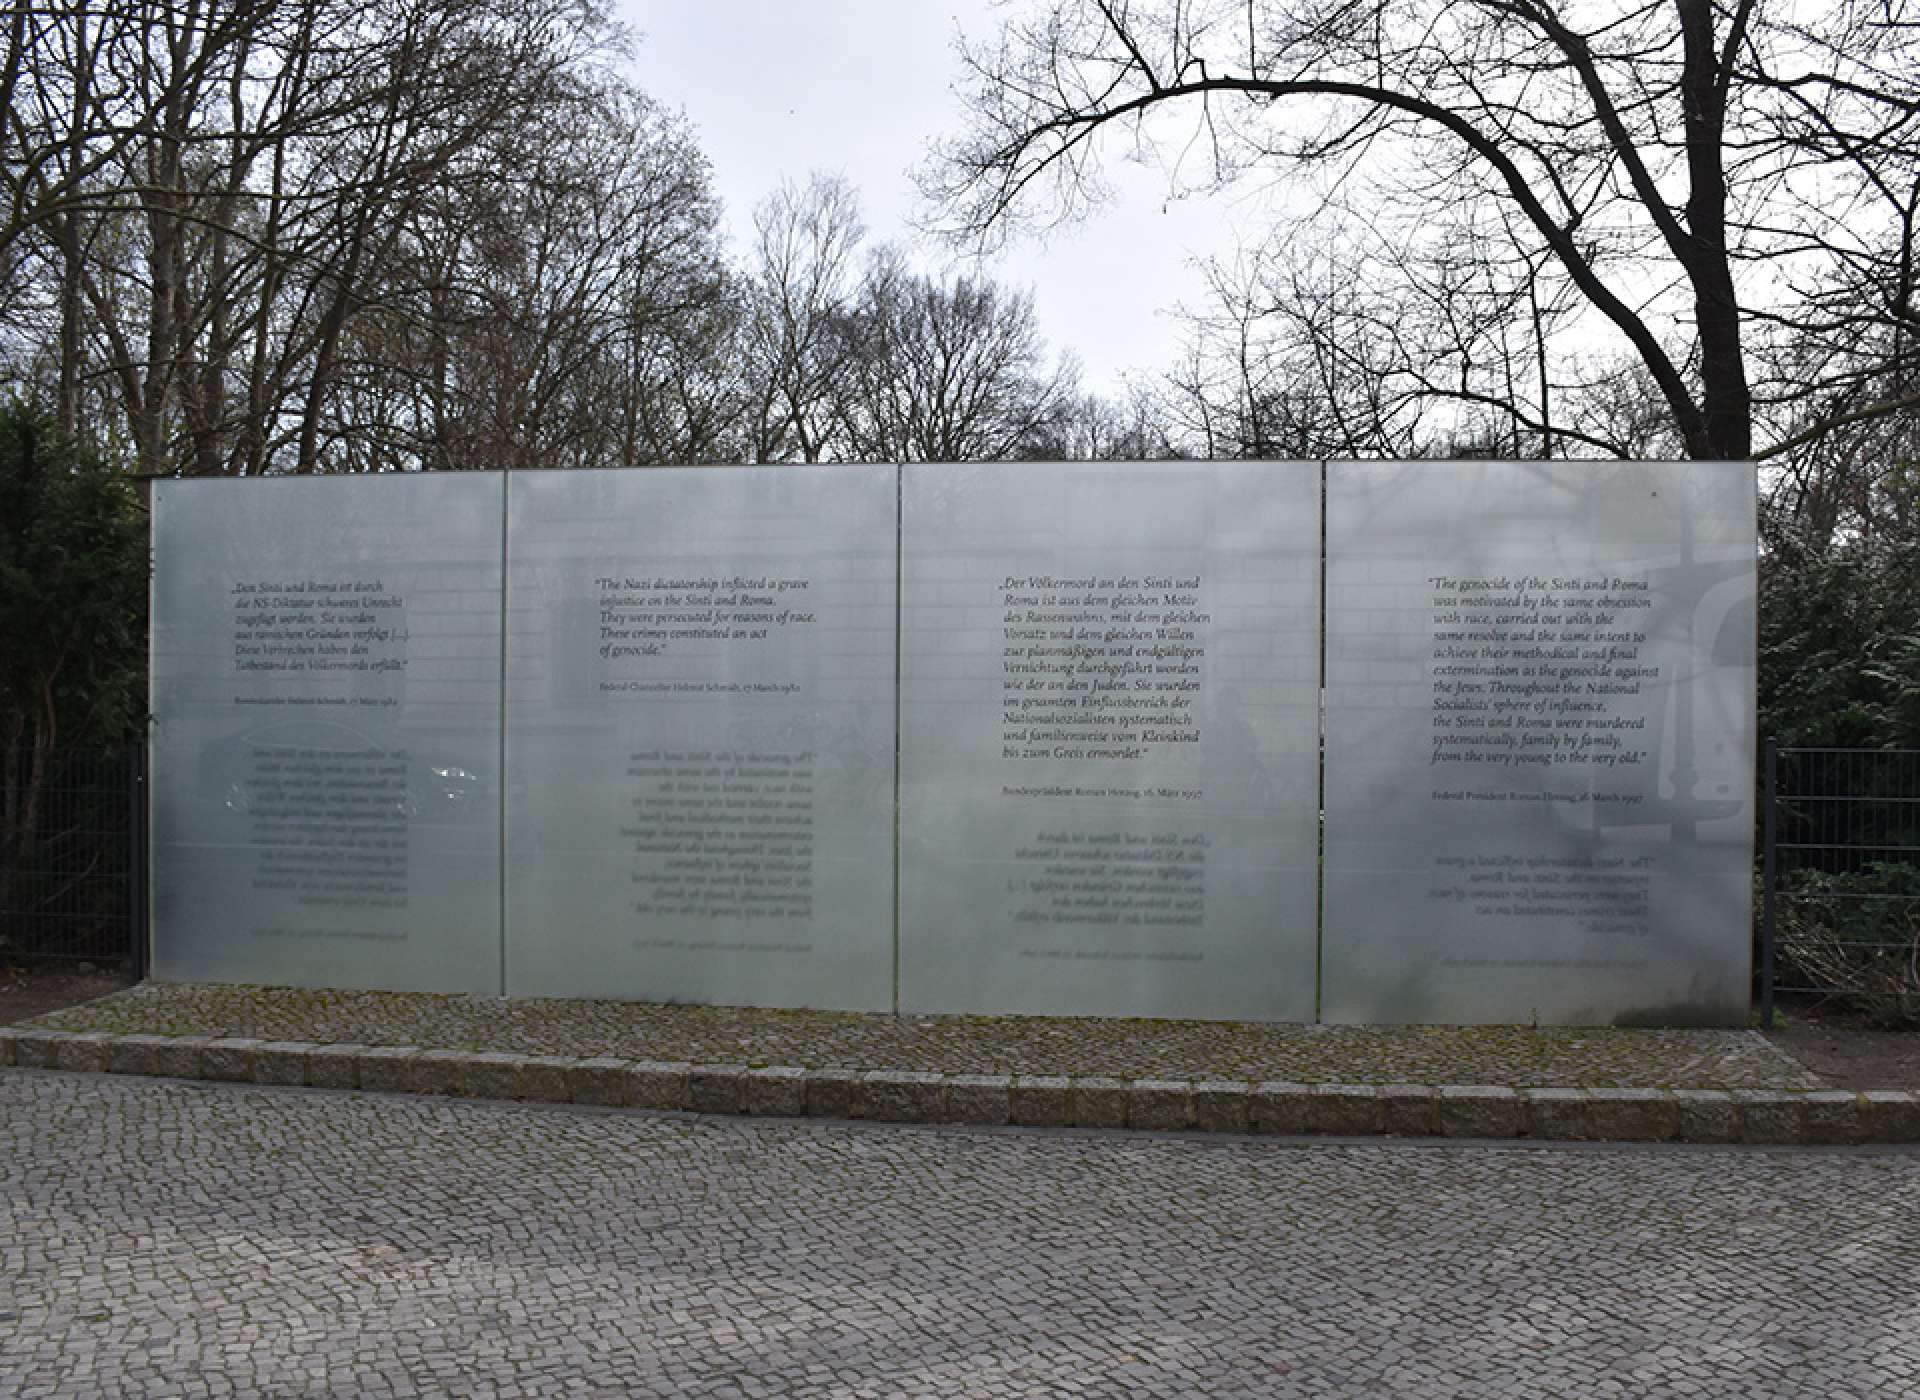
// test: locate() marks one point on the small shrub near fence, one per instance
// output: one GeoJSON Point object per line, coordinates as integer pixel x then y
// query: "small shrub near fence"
{"type": "Point", "coordinates": [69, 855]}
{"type": "Point", "coordinates": [1841, 887]}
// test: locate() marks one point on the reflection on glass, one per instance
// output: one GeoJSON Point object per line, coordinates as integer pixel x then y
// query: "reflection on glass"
{"type": "Point", "coordinates": [700, 735]}
{"type": "Point", "coordinates": [1109, 691]}
{"type": "Point", "coordinates": [326, 692]}
{"type": "Point", "coordinates": [1539, 742]}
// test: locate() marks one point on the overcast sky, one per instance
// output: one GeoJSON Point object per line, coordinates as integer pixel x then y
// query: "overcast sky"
{"type": "Point", "coordinates": [777, 88]}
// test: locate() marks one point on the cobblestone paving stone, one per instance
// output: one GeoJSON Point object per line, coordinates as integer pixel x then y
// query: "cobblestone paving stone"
{"type": "Point", "coordinates": [1517, 1057]}
{"type": "Point", "coordinates": [163, 1239]}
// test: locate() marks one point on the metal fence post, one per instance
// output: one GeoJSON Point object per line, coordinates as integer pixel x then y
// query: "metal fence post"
{"type": "Point", "coordinates": [137, 903]}
{"type": "Point", "coordinates": [1768, 869]}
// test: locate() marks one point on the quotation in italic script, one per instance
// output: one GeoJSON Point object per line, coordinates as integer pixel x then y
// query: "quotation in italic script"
{"type": "Point", "coordinates": [649, 625]}
{"type": "Point", "coordinates": [1100, 667]}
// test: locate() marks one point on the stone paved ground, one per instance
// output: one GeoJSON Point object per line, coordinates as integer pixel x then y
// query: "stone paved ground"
{"type": "Point", "coordinates": [1037, 1045]}
{"type": "Point", "coordinates": [164, 1239]}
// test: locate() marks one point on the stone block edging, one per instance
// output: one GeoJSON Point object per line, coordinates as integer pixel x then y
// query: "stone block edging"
{"type": "Point", "coordinates": [1784, 1116]}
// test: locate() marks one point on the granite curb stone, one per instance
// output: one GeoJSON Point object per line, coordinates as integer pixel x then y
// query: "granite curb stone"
{"type": "Point", "coordinates": [1279, 1107]}
{"type": "Point", "coordinates": [449, 1072]}
{"type": "Point", "coordinates": [1631, 1115]}
{"type": "Point", "coordinates": [388, 1069]}
{"type": "Point", "coordinates": [1558, 1115]}
{"type": "Point", "coordinates": [603, 1081]}
{"type": "Point", "coordinates": [1759, 1116]}
{"type": "Point", "coordinates": [1408, 1110]}
{"type": "Point", "coordinates": [1041, 1101]}
{"type": "Point", "coordinates": [1160, 1105]}
{"type": "Point", "coordinates": [831, 1092]}
{"type": "Point", "coordinates": [229, 1059]}
{"type": "Point", "coordinates": [164, 1056]}
{"type": "Point", "coordinates": [716, 1088]}
{"type": "Point", "coordinates": [1221, 1105]}
{"type": "Point", "coordinates": [778, 1091]}
{"type": "Point", "coordinates": [1099, 1102]}
{"type": "Point", "coordinates": [35, 1049]}
{"type": "Point", "coordinates": [1830, 1117]}
{"type": "Point", "coordinates": [497, 1075]}
{"type": "Point", "coordinates": [1706, 1115]}
{"type": "Point", "coordinates": [86, 1053]}
{"type": "Point", "coordinates": [1481, 1110]}
{"type": "Point", "coordinates": [1889, 1115]}
{"type": "Point", "coordinates": [666, 1085]}
{"type": "Point", "coordinates": [543, 1078]}
{"type": "Point", "coordinates": [1768, 1116]}
{"type": "Point", "coordinates": [282, 1062]}
{"type": "Point", "coordinates": [985, 1100]}
{"type": "Point", "coordinates": [900, 1096]}
{"type": "Point", "coordinates": [335, 1066]}
{"type": "Point", "coordinates": [1345, 1110]}
{"type": "Point", "coordinates": [501, 1074]}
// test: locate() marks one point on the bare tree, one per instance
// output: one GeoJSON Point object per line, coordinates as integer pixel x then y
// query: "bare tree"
{"type": "Point", "coordinates": [1858, 478]}
{"type": "Point", "coordinates": [1292, 356]}
{"type": "Point", "coordinates": [802, 284]}
{"type": "Point", "coordinates": [1129, 426]}
{"type": "Point", "coordinates": [1714, 181]}
{"type": "Point", "coordinates": [870, 360]}
{"type": "Point", "coordinates": [210, 243]}
{"type": "Point", "coordinates": [72, 104]}
{"type": "Point", "coordinates": [562, 303]}
{"type": "Point", "coordinates": [945, 370]}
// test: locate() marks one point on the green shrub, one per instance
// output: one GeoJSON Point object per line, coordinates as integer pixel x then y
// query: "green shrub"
{"type": "Point", "coordinates": [73, 593]}
{"type": "Point", "coordinates": [1840, 643]}
{"type": "Point", "coordinates": [73, 628]}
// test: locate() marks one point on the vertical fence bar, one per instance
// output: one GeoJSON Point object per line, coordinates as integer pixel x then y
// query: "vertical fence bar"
{"type": "Point", "coordinates": [1768, 860]}
{"type": "Point", "coordinates": [137, 903]}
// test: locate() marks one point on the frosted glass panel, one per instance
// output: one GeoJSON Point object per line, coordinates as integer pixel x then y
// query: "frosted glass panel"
{"type": "Point", "coordinates": [1540, 742]}
{"type": "Point", "coordinates": [701, 734]}
{"type": "Point", "coordinates": [326, 690]}
{"type": "Point", "coordinates": [1109, 739]}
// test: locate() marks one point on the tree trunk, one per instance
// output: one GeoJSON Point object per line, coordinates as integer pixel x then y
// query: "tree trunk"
{"type": "Point", "coordinates": [1726, 402]}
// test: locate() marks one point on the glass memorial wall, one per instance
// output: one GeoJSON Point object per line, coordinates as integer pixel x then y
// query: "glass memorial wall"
{"type": "Point", "coordinates": [1109, 739]}
{"type": "Point", "coordinates": [700, 735]}
{"type": "Point", "coordinates": [633, 733]}
{"type": "Point", "coordinates": [326, 741]}
{"type": "Point", "coordinates": [1539, 743]}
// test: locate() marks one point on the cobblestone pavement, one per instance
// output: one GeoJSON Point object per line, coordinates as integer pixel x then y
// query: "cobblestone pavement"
{"type": "Point", "coordinates": [160, 1239]}
{"type": "Point", "coordinates": [1516, 1056]}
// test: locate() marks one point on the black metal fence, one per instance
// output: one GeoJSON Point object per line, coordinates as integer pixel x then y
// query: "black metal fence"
{"type": "Point", "coordinates": [1840, 880]}
{"type": "Point", "coordinates": [73, 856]}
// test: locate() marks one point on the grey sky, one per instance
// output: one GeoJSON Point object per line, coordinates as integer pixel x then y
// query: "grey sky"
{"type": "Point", "coordinates": [777, 88]}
